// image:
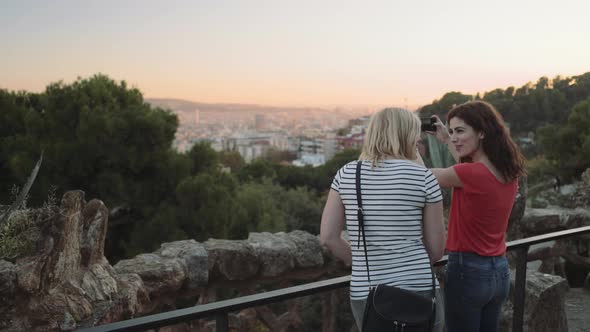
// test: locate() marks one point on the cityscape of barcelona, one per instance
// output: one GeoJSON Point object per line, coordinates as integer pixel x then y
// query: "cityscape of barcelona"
{"type": "Point", "coordinates": [294, 166]}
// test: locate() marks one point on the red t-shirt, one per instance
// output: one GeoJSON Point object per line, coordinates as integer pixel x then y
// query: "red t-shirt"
{"type": "Point", "coordinates": [480, 211]}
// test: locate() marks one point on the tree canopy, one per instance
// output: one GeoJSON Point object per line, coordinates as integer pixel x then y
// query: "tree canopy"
{"type": "Point", "coordinates": [568, 146]}
{"type": "Point", "coordinates": [526, 108]}
{"type": "Point", "coordinates": [98, 135]}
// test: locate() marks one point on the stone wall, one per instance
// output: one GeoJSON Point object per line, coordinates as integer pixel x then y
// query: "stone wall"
{"type": "Point", "coordinates": [69, 283]}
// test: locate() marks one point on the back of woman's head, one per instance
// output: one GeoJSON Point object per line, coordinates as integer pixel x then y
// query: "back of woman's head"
{"type": "Point", "coordinates": [496, 142]}
{"type": "Point", "coordinates": [392, 133]}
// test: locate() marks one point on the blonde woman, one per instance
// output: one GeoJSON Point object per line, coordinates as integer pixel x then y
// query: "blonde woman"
{"type": "Point", "coordinates": [402, 206]}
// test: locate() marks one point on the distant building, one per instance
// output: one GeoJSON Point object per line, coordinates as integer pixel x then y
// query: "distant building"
{"type": "Point", "coordinates": [279, 140]}
{"type": "Point", "coordinates": [253, 150]}
{"type": "Point", "coordinates": [217, 144]}
{"type": "Point", "coordinates": [329, 145]}
{"type": "Point", "coordinates": [293, 143]}
{"type": "Point", "coordinates": [362, 121]}
{"type": "Point", "coordinates": [253, 144]}
{"type": "Point", "coordinates": [357, 129]}
{"type": "Point", "coordinates": [351, 141]}
{"type": "Point", "coordinates": [196, 116]}
{"type": "Point", "coordinates": [311, 146]}
{"type": "Point", "coordinates": [185, 145]}
{"type": "Point", "coordinates": [316, 151]}
{"type": "Point", "coordinates": [354, 139]}
{"type": "Point", "coordinates": [310, 159]}
{"type": "Point", "coordinates": [259, 122]}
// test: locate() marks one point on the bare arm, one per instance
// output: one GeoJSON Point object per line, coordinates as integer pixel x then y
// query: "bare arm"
{"type": "Point", "coordinates": [447, 177]}
{"type": "Point", "coordinates": [333, 221]}
{"type": "Point", "coordinates": [434, 230]}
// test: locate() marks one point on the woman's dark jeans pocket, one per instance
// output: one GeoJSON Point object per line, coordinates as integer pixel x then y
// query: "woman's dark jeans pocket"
{"type": "Point", "coordinates": [475, 290]}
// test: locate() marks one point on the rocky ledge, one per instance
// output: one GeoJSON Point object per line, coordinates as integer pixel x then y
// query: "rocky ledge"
{"type": "Point", "coordinates": [69, 283]}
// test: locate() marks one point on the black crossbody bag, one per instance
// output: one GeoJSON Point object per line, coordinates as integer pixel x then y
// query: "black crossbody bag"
{"type": "Point", "coordinates": [390, 308]}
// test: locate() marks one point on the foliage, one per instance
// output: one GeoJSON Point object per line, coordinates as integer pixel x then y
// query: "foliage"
{"type": "Point", "coordinates": [97, 134]}
{"type": "Point", "coordinates": [327, 171]}
{"type": "Point", "coordinates": [527, 108]}
{"type": "Point", "coordinates": [257, 170]}
{"type": "Point", "coordinates": [569, 146]}
{"type": "Point", "coordinates": [302, 209]}
{"type": "Point", "coordinates": [231, 159]}
{"type": "Point", "coordinates": [442, 106]}
{"type": "Point", "coordinates": [292, 176]}
{"type": "Point", "coordinates": [204, 158]}
{"type": "Point", "coordinates": [277, 156]}
{"type": "Point", "coordinates": [23, 194]}
{"type": "Point", "coordinates": [540, 169]}
{"type": "Point", "coordinates": [18, 235]}
{"type": "Point", "coordinates": [262, 210]}
{"type": "Point", "coordinates": [340, 159]}
{"type": "Point", "coordinates": [22, 230]}
{"type": "Point", "coordinates": [147, 236]}
{"type": "Point", "coordinates": [556, 109]}
{"type": "Point", "coordinates": [100, 136]}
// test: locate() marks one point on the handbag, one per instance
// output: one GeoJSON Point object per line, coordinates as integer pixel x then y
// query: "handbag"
{"type": "Point", "coordinates": [390, 308]}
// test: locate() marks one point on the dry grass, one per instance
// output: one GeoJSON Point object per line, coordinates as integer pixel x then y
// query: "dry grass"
{"type": "Point", "coordinates": [20, 234]}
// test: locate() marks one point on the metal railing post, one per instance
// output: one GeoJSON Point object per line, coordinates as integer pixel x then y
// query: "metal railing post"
{"type": "Point", "coordinates": [221, 322]}
{"type": "Point", "coordinates": [519, 289]}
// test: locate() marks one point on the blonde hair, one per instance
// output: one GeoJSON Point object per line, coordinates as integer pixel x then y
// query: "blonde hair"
{"type": "Point", "coordinates": [392, 133]}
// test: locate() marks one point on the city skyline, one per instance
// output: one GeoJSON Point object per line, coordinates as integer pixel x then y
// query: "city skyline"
{"type": "Point", "coordinates": [327, 54]}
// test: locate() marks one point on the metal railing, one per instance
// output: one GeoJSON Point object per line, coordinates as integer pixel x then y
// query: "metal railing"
{"type": "Point", "coordinates": [219, 310]}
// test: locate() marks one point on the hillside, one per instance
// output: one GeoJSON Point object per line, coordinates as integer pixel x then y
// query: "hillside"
{"type": "Point", "coordinates": [190, 112]}
{"type": "Point", "coordinates": [180, 105]}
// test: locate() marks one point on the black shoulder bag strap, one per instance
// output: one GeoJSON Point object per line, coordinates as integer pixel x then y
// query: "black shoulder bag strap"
{"type": "Point", "coordinates": [361, 222]}
{"type": "Point", "coordinates": [360, 217]}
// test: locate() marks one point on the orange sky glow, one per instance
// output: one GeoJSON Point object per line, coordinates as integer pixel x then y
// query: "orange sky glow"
{"type": "Point", "coordinates": [295, 53]}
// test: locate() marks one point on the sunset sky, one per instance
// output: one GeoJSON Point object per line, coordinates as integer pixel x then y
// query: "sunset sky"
{"type": "Point", "coordinates": [296, 53]}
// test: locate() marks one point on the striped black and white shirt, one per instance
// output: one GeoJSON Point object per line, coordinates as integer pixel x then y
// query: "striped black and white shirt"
{"type": "Point", "coordinates": [394, 193]}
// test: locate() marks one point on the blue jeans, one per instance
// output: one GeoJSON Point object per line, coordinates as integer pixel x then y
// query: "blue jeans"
{"type": "Point", "coordinates": [475, 289]}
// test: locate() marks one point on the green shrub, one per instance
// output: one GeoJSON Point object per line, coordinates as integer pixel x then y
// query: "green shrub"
{"type": "Point", "coordinates": [540, 169]}
{"type": "Point", "coordinates": [19, 235]}
{"type": "Point", "coordinates": [21, 232]}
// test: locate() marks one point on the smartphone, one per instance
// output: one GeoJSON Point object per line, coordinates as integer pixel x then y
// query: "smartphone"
{"type": "Point", "coordinates": [428, 124]}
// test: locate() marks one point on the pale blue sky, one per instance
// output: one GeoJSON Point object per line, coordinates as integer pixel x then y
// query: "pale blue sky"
{"type": "Point", "coordinates": [294, 52]}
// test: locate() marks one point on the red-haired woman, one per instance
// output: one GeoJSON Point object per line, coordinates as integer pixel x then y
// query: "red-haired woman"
{"type": "Point", "coordinates": [484, 186]}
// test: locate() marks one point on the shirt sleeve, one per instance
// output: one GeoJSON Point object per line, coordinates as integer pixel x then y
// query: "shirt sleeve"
{"type": "Point", "coordinates": [433, 193]}
{"type": "Point", "coordinates": [336, 182]}
{"type": "Point", "coordinates": [467, 174]}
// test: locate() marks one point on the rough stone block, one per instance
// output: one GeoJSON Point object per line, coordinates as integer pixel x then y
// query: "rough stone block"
{"type": "Point", "coordinates": [7, 278]}
{"type": "Point", "coordinates": [161, 276]}
{"type": "Point", "coordinates": [308, 252]}
{"type": "Point", "coordinates": [275, 253]}
{"type": "Point", "coordinates": [194, 257]}
{"type": "Point", "coordinates": [544, 304]}
{"type": "Point", "coordinates": [232, 260]}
